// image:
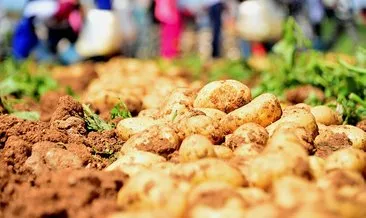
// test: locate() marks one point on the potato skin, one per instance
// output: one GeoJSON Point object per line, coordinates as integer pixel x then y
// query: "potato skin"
{"type": "Point", "coordinates": [159, 139]}
{"type": "Point", "coordinates": [224, 95]}
{"type": "Point", "coordinates": [349, 159]}
{"type": "Point", "coordinates": [223, 152]}
{"type": "Point", "coordinates": [245, 134]}
{"type": "Point", "coordinates": [248, 150]}
{"type": "Point", "coordinates": [209, 169]}
{"type": "Point", "coordinates": [316, 166]}
{"type": "Point", "coordinates": [325, 115]}
{"type": "Point", "coordinates": [131, 126]}
{"type": "Point", "coordinates": [216, 198]}
{"type": "Point", "coordinates": [355, 134]}
{"type": "Point", "coordinates": [213, 113]}
{"type": "Point", "coordinates": [263, 110]}
{"type": "Point", "coordinates": [151, 190]}
{"type": "Point", "coordinates": [195, 147]}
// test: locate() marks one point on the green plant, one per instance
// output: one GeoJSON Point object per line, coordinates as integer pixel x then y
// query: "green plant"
{"type": "Point", "coordinates": [93, 121]}
{"type": "Point", "coordinates": [120, 110]}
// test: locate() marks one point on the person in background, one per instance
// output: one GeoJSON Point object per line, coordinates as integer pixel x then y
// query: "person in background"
{"type": "Point", "coordinates": [166, 11]}
{"type": "Point", "coordinates": [316, 13]}
{"type": "Point", "coordinates": [55, 15]}
{"type": "Point", "coordinates": [215, 10]}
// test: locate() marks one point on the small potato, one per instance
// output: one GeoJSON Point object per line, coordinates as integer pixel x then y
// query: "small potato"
{"type": "Point", "coordinates": [224, 95]}
{"type": "Point", "coordinates": [263, 110]}
{"type": "Point", "coordinates": [135, 161]}
{"type": "Point", "coordinates": [314, 211]}
{"type": "Point", "coordinates": [246, 134]}
{"type": "Point", "coordinates": [299, 117]}
{"type": "Point", "coordinates": [152, 190]}
{"type": "Point", "coordinates": [325, 115]}
{"type": "Point", "coordinates": [209, 169]}
{"type": "Point", "coordinates": [349, 159]}
{"type": "Point", "coordinates": [316, 166]}
{"type": "Point", "coordinates": [336, 179]}
{"type": "Point", "coordinates": [213, 199]}
{"type": "Point", "coordinates": [159, 139]}
{"type": "Point", "coordinates": [254, 196]}
{"type": "Point", "coordinates": [151, 113]}
{"type": "Point", "coordinates": [356, 135]}
{"type": "Point", "coordinates": [223, 152]}
{"type": "Point", "coordinates": [265, 210]}
{"type": "Point", "coordinates": [131, 126]}
{"type": "Point", "coordinates": [195, 147]}
{"type": "Point", "coordinates": [289, 192]}
{"type": "Point", "coordinates": [213, 113]}
{"type": "Point", "coordinates": [248, 150]}
{"type": "Point", "coordinates": [202, 125]}
{"type": "Point", "coordinates": [328, 142]}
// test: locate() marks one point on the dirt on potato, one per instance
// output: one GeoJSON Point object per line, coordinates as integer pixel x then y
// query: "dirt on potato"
{"type": "Point", "coordinates": [326, 144]}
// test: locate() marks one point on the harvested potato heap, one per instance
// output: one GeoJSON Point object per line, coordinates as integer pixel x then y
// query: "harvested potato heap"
{"type": "Point", "coordinates": [217, 152]}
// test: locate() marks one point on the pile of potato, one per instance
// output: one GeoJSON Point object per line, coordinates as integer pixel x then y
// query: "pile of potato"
{"type": "Point", "coordinates": [214, 151]}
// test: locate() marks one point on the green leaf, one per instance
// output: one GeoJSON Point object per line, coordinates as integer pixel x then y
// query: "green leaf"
{"type": "Point", "coordinates": [93, 121]}
{"type": "Point", "coordinates": [120, 110]}
{"type": "Point", "coordinates": [27, 115]}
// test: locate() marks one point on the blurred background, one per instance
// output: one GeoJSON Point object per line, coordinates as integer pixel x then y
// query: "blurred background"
{"type": "Point", "coordinates": [70, 31]}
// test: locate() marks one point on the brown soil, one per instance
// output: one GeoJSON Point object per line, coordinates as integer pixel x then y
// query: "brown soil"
{"type": "Point", "coordinates": [362, 125]}
{"type": "Point", "coordinates": [49, 169]}
{"type": "Point", "coordinates": [327, 143]}
{"type": "Point", "coordinates": [301, 93]}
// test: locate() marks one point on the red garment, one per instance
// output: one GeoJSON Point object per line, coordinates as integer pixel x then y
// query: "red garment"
{"type": "Point", "coordinates": [66, 7]}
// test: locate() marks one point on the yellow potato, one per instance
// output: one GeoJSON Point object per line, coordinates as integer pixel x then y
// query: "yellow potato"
{"type": "Point", "coordinates": [158, 139]}
{"type": "Point", "coordinates": [225, 95]}
{"type": "Point", "coordinates": [144, 214]}
{"type": "Point", "coordinates": [247, 150]}
{"type": "Point", "coordinates": [264, 210]}
{"type": "Point", "coordinates": [150, 190]}
{"type": "Point", "coordinates": [152, 113]}
{"type": "Point", "coordinates": [131, 126]}
{"type": "Point", "coordinates": [355, 134]}
{"type": "Point", "coordinates": [325, 115]}
{"type": "Point", "coordinates": [316, 166]}
{"type": "Point", "coordinates": [263, 110]}
{"type": "Point", "coordinates": [213, 199]}
{"type": "Point", "coordinates": [195, 147]}
{"type": "Point", "coordinates": [348, 158]}
{"type": "Point", "coordinates": [246, 134]}
{"type": "Point", "coordinates": [336, 179]}
{"type": "Point", "coordinates": [254, 196]}
{"type": "Point", "coordinates": [209, 169]}
{"type": "Point", "coordinates": [223, 152]}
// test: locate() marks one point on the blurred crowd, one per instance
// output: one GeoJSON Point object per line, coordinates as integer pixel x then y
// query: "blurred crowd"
{"type": "Point", "coordinates": [72, 30]}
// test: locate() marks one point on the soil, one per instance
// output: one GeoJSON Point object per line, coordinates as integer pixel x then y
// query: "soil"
{"type": "Point", "coordinates": [362, 125]}
{"type": "Point", "coordinates": [327, 143]}
{"type": "Point", "coordinates": [51, 168]}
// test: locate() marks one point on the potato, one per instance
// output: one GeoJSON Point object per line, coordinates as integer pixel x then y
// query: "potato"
{"type": "Point", "coordinates": [265, 210]}
{"type": "Point", "coordinates": [179, 102]}
{"type": "Point", "coordinates": [144, 214]}
{"type": "Point", "coordinates": [213, 113]}
{"type": "Point", "coordinates": [200, 124]}
{"type": "Point", "coordinates": [316, 166]}
{"type": "Point", "coordinates": [150, 190]}
{"type": "Point", "coordinates": [299, 117]}
{"type": "Point", "coordinates": [348, 158]}
{"type": "Point", "coordinates": [247, 150]}
{"type": "Point", "coordinates": [325, 115]}
{"type": "Point", "coordinates": [135, 161]}
{"type": "Point", "coordinates": [209, 169]}
{"type": "Point", "coordinates": [336, 179]}
{"type": "Point", "coordinates": [246, 134]}
{"type": "Point", "coordinates": [224, 95]}
{"type": "Point", "coordinates": [151, 113]}
{"type": "Point", "coordinates": [195, 147]}
{"type": "Point", "coordinates": [328, 142]}
{"type": "Point", "coordinates": [289, 192]}
{"type": "Point", "coordinates": [254, 196]}
{"type": "Point", "coordinates": [213, 199]}
{"type": "Point", "coordinates": [223, 152]}
{"type": "Point", "coordinates": [263, 110]}
{"type": "Point", "coordinates": [313, 211]}
{"type": "Point", "coordinates": [131, 126]}
{"type": "Point", "coordinates": [158, 139]}
{"type": "Point", "coordinates": [356, 135]}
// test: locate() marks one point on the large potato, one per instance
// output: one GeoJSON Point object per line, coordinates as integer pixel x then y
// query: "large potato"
{"type": "Point", "coordinates": [299, 117]}
{"type": "Point", "coordinates": [348, 158]}
{"type": "Point", "coordinates": [135, 161]}
{"type": "Point", "coordinates": [328, 142]}
{"type": "Point", "coordinates": [215, 200]}
{"type": "Point", "coordinates": [245, 134]}
{"type": "Point", "coordinates": [213, 113]}
{"type": "Point", "coordinates": [355, 134]}
{"type": "Point", "coordinates": [151, 190]}
{"type": "Point", "coordinates": [130, 126]}
{"type": "Point", "coordinates": [158, 139]}
{"type": "Point", "coordinates": [325, 115]}
{"type": "Point", "coordinates": [209, 169]}
{"type": "Point", "coordinates": [195, 123]}
{"type": "Point", "coordinates": [225, 95]}
{"type": "Point", "coordinates": [196, 147]}
{"type": "Point", "coordinates": [263, 110]}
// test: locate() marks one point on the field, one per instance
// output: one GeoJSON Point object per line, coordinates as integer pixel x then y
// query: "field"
{"type": "Point", "coordinates": [278, 136]}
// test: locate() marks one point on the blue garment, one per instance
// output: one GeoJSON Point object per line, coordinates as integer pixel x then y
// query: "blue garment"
{"type": "Point", "coordinates": [104, 4]}
{"type": "Point", "coordinates": [215, 12]}
{"type": "Point", "coordinates": [24, 39]}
